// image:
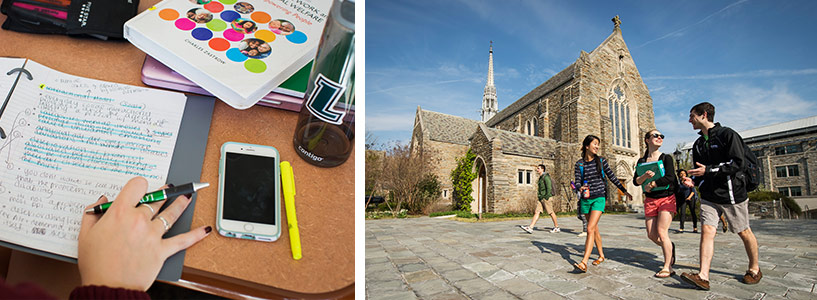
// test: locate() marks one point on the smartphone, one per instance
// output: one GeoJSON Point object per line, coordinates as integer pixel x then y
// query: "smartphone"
{"type": "Point", "coordinates": [249, 192]}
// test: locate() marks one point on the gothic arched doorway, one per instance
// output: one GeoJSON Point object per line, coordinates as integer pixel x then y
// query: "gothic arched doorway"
{"type": "Point", "coordinates": [480, 188]}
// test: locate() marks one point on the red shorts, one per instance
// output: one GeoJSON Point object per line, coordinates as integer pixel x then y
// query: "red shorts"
{"type": "Point", "coordinates": [652, 206]}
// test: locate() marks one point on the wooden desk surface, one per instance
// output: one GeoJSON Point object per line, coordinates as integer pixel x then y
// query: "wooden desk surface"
{"type": "Point", "coordinates": [325, 197]}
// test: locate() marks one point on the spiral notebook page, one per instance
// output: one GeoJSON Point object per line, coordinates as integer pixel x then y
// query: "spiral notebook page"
{"type": "Point", "coordinates": [71, 139]}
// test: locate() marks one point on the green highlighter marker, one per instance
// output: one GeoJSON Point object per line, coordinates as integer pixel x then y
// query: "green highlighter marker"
{"type": "Point", "coordinates": [156, 196]}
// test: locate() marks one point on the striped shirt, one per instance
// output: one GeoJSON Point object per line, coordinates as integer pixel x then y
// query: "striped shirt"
{"type": "Point", "coordinates": [594, 180]}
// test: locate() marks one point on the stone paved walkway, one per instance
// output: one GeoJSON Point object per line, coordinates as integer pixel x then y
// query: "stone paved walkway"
{"type": "Point", "coordinates": [429, 258]}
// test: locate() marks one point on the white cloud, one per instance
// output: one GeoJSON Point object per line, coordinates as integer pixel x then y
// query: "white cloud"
{"type": "Point", "coordinates": [388, 122]}
{"type": "Point", "coordinates": [745, 107]}
{"type": "Point", "coordinates": [750, 74]}
{"type": "Point", "coordinates": [682, 31]}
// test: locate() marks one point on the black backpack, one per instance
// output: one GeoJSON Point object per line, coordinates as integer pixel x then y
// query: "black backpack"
{"type": "Point", "coordinates": [751, 168]}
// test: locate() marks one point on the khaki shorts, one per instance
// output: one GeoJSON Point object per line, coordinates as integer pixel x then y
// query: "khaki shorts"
{"type": "Point", "coordinates": [547, 205]}
{"type": "Point", "coordinates": [737, 215]}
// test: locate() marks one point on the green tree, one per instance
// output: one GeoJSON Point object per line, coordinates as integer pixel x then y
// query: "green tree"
{"type": "Point", "coordinates": [461, 178]}
{"type": "Point", "coordinates": [428, 190]}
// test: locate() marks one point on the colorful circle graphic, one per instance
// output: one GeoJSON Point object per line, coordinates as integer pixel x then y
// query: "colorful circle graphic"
{"type": "Point", "coordinates": [244, 25]}
{"type": "Point", "coordinates": [219, 44]}
{"type": "Point", "coordinates": [168, 14]}
{"type": "Point", "coordinates": [235, 55]}
{"type": "Point", "coordinates": [260, 17]}
{"type": "Point", "coordinates": [243, 7]}
{"type": "Point", "coordinates": [255, 66]}
{"type": "Point", "coordinates": [202, 34]}
{"type": "Point", "coordinates": [232, 35]}
{"type": "Point", "coordinates": [297, 37]}
{"type": "Point", "coordinates": [199, 15]}
{"type": "Point", "coordinates": [214, 7]}
{"type": "Point", "coordinates": [185, 24]}
{"type": "Point", "coordinates": [228, 1]}
{"type": "Point", "coordinates": [217, 25]}
{"type": "Point", "coordinates": [255, 48]}
{"type": "Point", "coordinates": [281, 27]}
{"type": "Point", "coordinates": [229, 15]}
{"type": "Point", "coordinates": [265, 35]}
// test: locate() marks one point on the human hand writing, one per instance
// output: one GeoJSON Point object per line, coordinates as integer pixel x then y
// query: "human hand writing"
{"type": "Point", "coordinates": [124, 247]}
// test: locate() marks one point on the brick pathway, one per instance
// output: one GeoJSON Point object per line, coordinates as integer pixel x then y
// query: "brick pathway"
{"type": "Point", "coordinates": [425, 258]}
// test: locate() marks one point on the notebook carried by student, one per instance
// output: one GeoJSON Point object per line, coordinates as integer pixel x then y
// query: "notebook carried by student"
{"type": "Point", "coordinates": [237, 51]}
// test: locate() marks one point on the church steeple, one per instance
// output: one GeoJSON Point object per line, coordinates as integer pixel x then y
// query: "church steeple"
{"type": "Point", "coordinates": [489, 105]}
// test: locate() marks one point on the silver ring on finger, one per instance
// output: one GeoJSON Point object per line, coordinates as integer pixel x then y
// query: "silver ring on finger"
{"type": "Point", "coordinates": [164, 222]}
{"type": "Point", "coordinates": [152, 210]}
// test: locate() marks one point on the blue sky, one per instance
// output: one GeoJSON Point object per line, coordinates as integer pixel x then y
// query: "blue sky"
{"type": "Point", "coordinates": [753, 59]}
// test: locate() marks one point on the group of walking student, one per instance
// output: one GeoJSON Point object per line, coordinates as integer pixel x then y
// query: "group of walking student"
{"type": "Point", "coordinates": [719, 173]}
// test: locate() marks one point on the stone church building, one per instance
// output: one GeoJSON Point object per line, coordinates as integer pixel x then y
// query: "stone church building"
{"type": "Point", "coordinates": [601, 93]}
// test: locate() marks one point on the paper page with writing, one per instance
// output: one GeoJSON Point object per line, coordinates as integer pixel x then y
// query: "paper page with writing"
{"type": "Point", "coordinates": [72, 139]}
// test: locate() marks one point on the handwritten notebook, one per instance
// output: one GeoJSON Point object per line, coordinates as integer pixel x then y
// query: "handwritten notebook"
{"type": "Point", "coordinates": [66, 140]}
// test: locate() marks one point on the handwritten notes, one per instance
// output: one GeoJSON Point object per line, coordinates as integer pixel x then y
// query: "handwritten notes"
{"type": "Point", "coordinates": [71, 140]}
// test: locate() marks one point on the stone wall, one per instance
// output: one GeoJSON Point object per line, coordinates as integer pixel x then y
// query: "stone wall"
{"type": "Point", "coordinates": [483, 149]}
{"type": "Point", "coordinates": [769, 210]}
{"type": "Point", "coordinates": [441, 159]}
{"type": "Point", "coordinates": [597, 72]}
{"type": "Point", "coordinates": [806, 162]}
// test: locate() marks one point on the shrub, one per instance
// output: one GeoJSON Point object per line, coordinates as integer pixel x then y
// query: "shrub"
{"type": "Point", "coordinates": [428, 190]}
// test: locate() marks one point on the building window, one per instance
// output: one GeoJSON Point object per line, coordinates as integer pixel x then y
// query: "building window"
{"type": "Point", "coordinates": [445, 193]}
{"type": "Point", "coordinates": [794, 170]}
{"type": "Point", "coordinates": [781, 171]}
{"type": "Point", "coordinates": [792, 191]}
{"type": "Point", "coordinates": [788, 149]}
{"type": "Point", "coordinates": [620, 117]}
{"type": "Point", "coordinates": [524, 176]}
{"type": "Point", "coordinates": [757, 153]}
{"type": "Point", "coordinates": [787, 171]}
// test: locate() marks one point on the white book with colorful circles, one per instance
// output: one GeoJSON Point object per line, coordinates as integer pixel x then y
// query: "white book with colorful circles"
{"type": "Point", "coordinates": [238, 50]}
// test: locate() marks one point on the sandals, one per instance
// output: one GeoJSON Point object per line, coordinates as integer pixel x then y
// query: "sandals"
{"type": "Point", "coordinates": [598, 261]}
{"type": "Point", "coordinates": [664, 274]}
{"type": "Point", "coordinates": [580, 266]}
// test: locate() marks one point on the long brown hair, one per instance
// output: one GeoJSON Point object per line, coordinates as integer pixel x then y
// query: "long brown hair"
{"type": "Point", "coordinates": [587, 140]}
{"type": "Point", "coordinates": [646, 144]}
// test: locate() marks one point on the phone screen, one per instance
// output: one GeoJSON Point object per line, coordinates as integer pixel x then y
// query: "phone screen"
{"type": "Point", "coordinates": [249, 188]}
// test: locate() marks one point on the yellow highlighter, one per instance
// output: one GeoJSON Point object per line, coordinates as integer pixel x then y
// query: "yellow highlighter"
{"type": "Point", "coordinates": [288, 186]}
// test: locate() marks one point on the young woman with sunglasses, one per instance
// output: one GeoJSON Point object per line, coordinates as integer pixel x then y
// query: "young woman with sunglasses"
{"type": "Point", "coordinates": [659, 201]}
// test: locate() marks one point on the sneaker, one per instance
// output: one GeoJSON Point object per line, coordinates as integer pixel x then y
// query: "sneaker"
{"type": "Point", "coordinates": [555, 230]}
{"type": "Point", "coordinates": [695, 280]}
{"type": "Point", "coordinates": [582, 234]}
{"type": "Point", "coordinates": [750, 278]}
{"type": "Point", "coordinates": [526, 229]}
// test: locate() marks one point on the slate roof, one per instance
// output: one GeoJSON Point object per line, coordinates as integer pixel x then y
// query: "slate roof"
{"type": "Point", "coordinates": [544, 88]}
{"type": "Point", "coordinates": [447, 128]}
{"type": "Point", "coordinates": [516, 143]}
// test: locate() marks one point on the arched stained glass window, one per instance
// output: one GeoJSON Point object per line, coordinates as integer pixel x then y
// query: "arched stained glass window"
{"type": "Point", "coordinates": [619, 109]}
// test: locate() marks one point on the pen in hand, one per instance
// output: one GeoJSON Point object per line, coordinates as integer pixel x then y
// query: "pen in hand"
{"type": "Point", "coordinates": [156, 196]}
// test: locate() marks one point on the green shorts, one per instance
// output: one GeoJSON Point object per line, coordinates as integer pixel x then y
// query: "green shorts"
{"type": "Point", "coordinates": [592, 204]}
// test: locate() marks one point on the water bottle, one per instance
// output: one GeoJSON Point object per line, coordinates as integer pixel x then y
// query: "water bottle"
{"type": "Point", "coordinates": [325, 132]}
{"type": "Point", "coordinates": [586, 193]}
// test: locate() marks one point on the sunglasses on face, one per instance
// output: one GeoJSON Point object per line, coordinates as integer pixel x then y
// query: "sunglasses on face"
{"type": "Point", "coordinates": [658, 135]}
